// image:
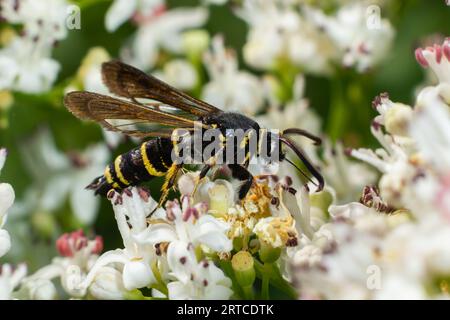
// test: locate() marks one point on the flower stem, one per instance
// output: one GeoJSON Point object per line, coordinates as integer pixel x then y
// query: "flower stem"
{"type": "Point", "coordinates": [267, 272]}
{"type": "Point", "coordinates": [248, 292]}
{"type": "Point", "coordinates": [160, 284]}
{"type": "Point", "coordinates": [338, 110]}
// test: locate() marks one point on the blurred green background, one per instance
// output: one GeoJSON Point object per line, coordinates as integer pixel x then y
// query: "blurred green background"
{"type": "Point", "coordinates": [399, 74]}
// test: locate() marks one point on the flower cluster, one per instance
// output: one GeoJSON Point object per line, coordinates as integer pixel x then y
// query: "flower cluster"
{"type": "Point", "coordinates": [369, 253]}
{"type": "Point", "coordinates": [25, 59]}
{"type": "Point", "coordinates": [354, 35]}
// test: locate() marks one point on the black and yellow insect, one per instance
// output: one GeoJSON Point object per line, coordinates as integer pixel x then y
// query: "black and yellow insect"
{"type": "Point", "coordinates": [153, 158]}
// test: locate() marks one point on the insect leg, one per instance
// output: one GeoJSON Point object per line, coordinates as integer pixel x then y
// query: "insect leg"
{"type": "Point", "coordinates": [242, 174]}
{"type": "Point", "coordinates": [171, 178]}
{"type": "Point", "coordinates": [200, 177]}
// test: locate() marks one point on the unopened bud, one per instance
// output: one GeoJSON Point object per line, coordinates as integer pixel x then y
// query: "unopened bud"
{"type": "Point", "coordinates": [243, 266]}
{"type": "Point", "coordinates": [219, 199]}
{"type": "Point", "coordinates": [195, 42]}
{"type": "Point", "coordinates": [267, 253]}
{"type": "Point", "coordinates": [398, 118]}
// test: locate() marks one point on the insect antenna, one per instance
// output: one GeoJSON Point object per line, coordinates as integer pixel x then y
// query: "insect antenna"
{"type": "Point", "coordinates": [317, 141]}
{"type": "Point", "coordinates": [301, 154]}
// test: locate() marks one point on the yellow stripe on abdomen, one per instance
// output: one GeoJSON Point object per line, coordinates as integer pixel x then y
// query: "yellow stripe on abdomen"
{"type": "Point", "coordinates": [148, 166]}
{"type": "Point", "coordinates": [109, 178]}
{"type": "Point", "coordinates": [119, 172]}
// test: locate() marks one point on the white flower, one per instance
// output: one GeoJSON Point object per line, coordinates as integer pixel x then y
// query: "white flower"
{"type": "Point", "coordinates": [108, 285]}
{"type": "Point", "coordinates": [426, 242]}
{"type": "Point", "coordinates": [396, 117]}
{"type": "Point", "coordinates": [6, 201]}
{"type": "Point", "coordinates": [437, 58]}
{"type": "Point", "coordinates": [58, 176]}
{"type": "Point", "coordinates": [179, 73]}
{"type": "Point", "coordinates": [360, 45]}
{"type": "Point", "coordinates": [78, 255]}
{"type": "Point", "coordinates": [393, 161]}
{"type": "Point", "coordinates": [44, 19]}
{"type": "Point", "coordinates": [188, 224]}
{"type": "Point", "coordinates": [10, 279]}
{"type": "Point", "coordinates": [89, 76]}
{"type": "Point", "coordinates": [26, 63]}
{"type": "Point", "coordinates": [26, 67]}
{"type": "Point", "coordinates": [122, 10]}
{"type": "Point", "coordinates": [135, 259]}
{"type": "Point", "coordinates": [281, 32]}
{"type": "Point", "coordinates": [163, 31]}
{"type": "Point", "coordinates": [294, 114]}
{"type": "Point", "coordinates": [193, 279]}
{"type": "Point", "coordinates": [430, 129]}
{"type": "Point", "coordinates": [345, 178]}
{"type": "Point", "coordinates": [272, 24]}
{"type": "Point", "coordinates": [297, 113]}
{"type": "Point", "coordinates": [229, 88]}
{"type": "Point", "coordinates": [342, 270]}
{"type": "Point", "coordinates": [39, 289]}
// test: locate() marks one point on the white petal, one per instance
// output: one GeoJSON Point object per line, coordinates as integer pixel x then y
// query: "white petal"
{"type": "Point", "coordinates": [177, 20]}
{"type": "Point", "coordinates": [108, 285]}
{"type": "Point", "coordinates": [218, 293]}
{"type": "Point", "coordinates": [8, 72]}
{"type": "Point", "coordinates": [3, 154]}
{"type": "Point", "coordinates": [211, 232]}
{"type": "Point", "coordinates": [83, 204]}
{"type": "Point", "coordinates": [350, 211]}
{"type": "Point", "coordinates": [5, 242]}
{"type": "Point", "coordinates": [137, 274]}
{"type": "Point", "coordinates": [178, 291]}
{"type": "Point", "coordinates": [55, 192]}
{"type": "Point", "coordinates": [41, 289]}
{"type": "Point", "coordinates": [156, 233]}
{"type": "Point", "coordinates": [6, 200]}
{"type": "Point", "coordinates": [145, 48]}
{"type": "Point", "coordinates": [181, 261]}
{"type": "Point", "coordinates": [118, 13]}
{"type": "Point", "coordinates": [109, 257]}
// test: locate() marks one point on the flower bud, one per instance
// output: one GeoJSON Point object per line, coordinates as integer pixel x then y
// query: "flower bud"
{"type": "Point", "coordinates": [6, 100]}
{"type": "Point", "coordinates": [195, 42]}
{"type": "Point", "coordinates": [44, 223]}
{"type": "Point", "coordinates": [219, 199]}
{"type": "Point", "coordinates": [186, 184]}
{"type": "Point", "coordinates": [397, 119]}
{"type": "Point", "coordinates": [137, 274]}
{"type": "Point", "coordinates": [7, 35]}
{"type": "Point", "coordinates": [321, 200]}
{"type": "Point", "coordinates": [243, 266]}
{"type": "Point", "coordinates": [108, 285]}
{"type": "Point", "coordinates": [41, 289]}
{"type": "Point", "coordinates": [267, 253]}
{"type": "Point", "coordinates": [180, 74]}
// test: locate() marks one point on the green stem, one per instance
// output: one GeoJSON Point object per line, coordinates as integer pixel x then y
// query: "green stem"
{"type": "Point", "coordinates": [337, 118]}
{"type": "Point", "coordinates": [276, 279]}
{"type": "Point", "coordinates": [267, 272]}
{"type": "Point", "coordinates": [160, 284]}
{"type": "Point", "coordinates": [248, 292]}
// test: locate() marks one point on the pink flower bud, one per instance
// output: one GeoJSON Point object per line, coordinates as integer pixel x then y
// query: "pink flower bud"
{"type": "Point", "coordinates": [70, 243]}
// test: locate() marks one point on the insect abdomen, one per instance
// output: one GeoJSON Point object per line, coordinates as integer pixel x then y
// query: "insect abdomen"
{"type": "Point", "coordinates": [151, 159]}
